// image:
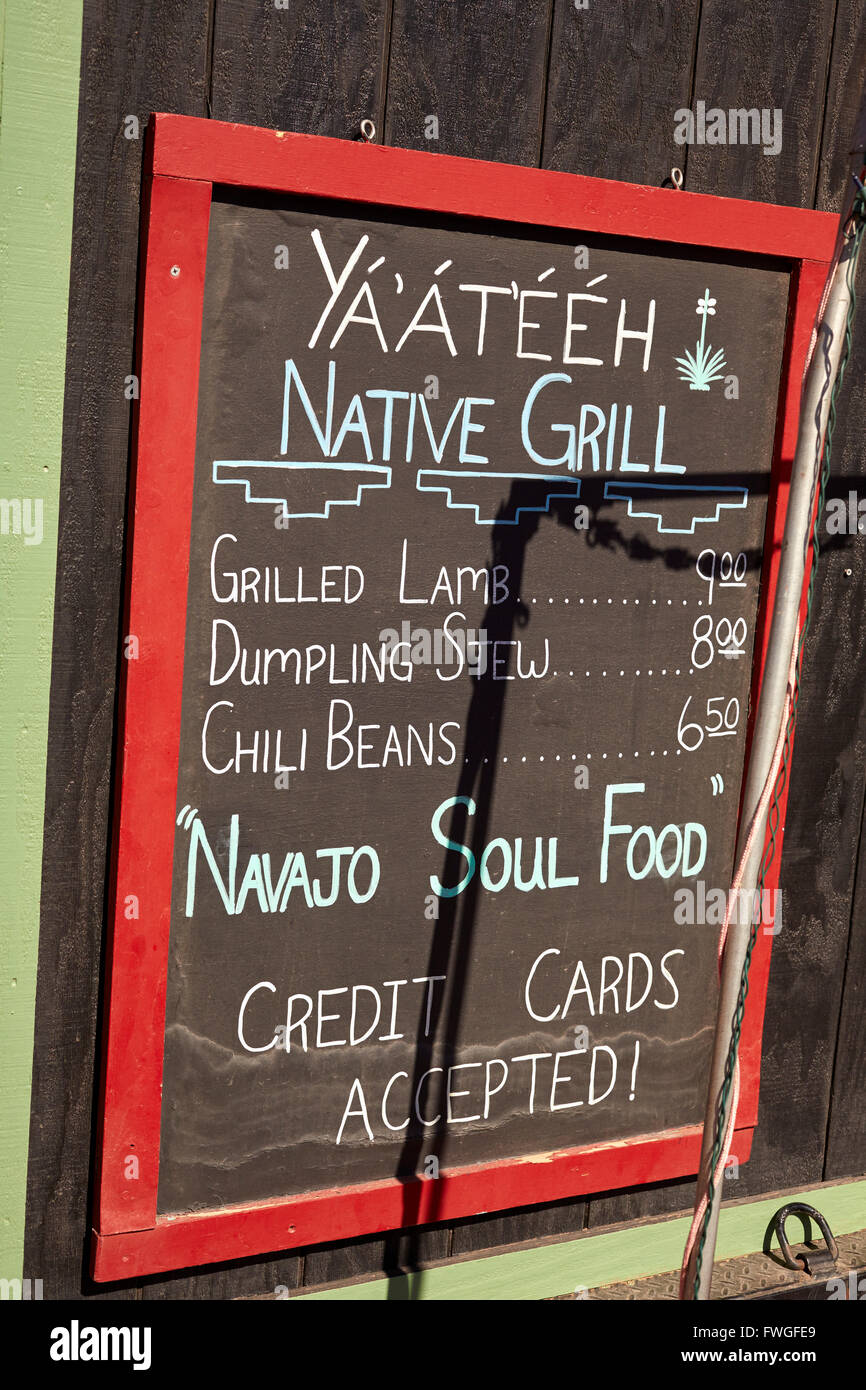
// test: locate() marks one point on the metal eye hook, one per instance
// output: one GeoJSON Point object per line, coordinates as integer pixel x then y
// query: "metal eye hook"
{"type": "Point", "coordinates": [368, 132]}
{"type": "Point", "coordinates": [676, 178]}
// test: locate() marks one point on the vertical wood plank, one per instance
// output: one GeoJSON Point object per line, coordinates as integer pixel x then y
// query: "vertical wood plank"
{"type": "Point", "coordinates": [844, 93]}
{"type": "Point", "coordinates": [846, 1129]}
{"type": "Point", "coordinates": [618, 72]}
{"type": "Point", "coordinates": [477, 69]}
{"type": "Point", "coordinates": [315, 67]}
{"type": "Point", "coordinates": [763, 55]}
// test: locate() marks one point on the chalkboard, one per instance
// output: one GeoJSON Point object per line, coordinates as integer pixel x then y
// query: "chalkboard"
{"type": "Point", "coordinates": [474, 570]}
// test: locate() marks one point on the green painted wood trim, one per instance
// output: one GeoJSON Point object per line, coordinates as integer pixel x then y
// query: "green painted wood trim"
{"type": "Point", "coordinates": [40, 62]}
{"type": "Point", "coordinates": [545, 1271]}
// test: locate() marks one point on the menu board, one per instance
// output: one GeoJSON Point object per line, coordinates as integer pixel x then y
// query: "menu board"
{"type": "Point", "coordinates": [474, 569]}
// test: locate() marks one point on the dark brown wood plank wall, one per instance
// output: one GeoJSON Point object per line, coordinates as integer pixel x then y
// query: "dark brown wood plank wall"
{"type": "Point", "coordinates": [314, 67]}
{"type": "Point", "coordinates": [478, 69]}
{"type": "Point", "coordinates": [540, 82]}
{"type": "Point", "coordinates": [844, 89]}
{"type": "Point", "coordinates": [765, 55]}
{"type": "Point", "coordinates": [618, 72]}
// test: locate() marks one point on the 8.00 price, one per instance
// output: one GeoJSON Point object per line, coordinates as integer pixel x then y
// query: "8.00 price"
{"type": "Point", "coordinates": [727, 639]}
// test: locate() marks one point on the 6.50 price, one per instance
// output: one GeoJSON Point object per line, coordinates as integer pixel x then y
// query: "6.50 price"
{"type": "Point", "coordinates": [720, 721]}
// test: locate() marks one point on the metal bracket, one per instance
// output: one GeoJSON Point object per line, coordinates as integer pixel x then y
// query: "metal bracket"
{"type": "Point", "coordinates": [814, 1260]}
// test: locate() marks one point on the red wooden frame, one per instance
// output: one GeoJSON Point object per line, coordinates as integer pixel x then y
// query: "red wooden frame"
{"type": "Point", "coordinates": [186, 158]}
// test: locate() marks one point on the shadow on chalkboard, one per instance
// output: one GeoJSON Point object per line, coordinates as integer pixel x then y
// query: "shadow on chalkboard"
{"type": "Point", "coordinates": [451, 946]}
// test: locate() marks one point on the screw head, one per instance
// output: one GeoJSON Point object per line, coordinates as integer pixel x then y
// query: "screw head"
{"type": "Point", "coordinates": [175, 271]}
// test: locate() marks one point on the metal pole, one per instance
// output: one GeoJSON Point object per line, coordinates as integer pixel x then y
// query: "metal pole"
{"type": "Point", "coordinates": [814, 412]}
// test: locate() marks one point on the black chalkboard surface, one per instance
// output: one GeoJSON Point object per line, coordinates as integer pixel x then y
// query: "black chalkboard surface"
{"type": "Point", "coordinates": [475, 557]}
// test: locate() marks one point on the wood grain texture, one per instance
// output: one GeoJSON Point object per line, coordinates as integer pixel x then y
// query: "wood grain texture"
{"type": "Point", "coordinates": [268, 1278]}
{"type": "Point", "coordinates": [656, 1199]}
{"type": "Point", "coordinates": [763, 54]}
{"type": "Point", "coordinates": [529, 1223]}
{"type": "Point", "coordinates": [314, 67]}
{"type": "Point", "coordinates": [844, 94]}
{"type": "Point", "coordinates": [846, 1128]}
{"type": "Point", "coordinates": [618, 72]}
{"type": "Point", "coordinates": [478, 68]}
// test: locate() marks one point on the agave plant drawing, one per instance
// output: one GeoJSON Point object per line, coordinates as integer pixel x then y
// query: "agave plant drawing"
{"type": "Point", "coordinates": [702, 366]}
